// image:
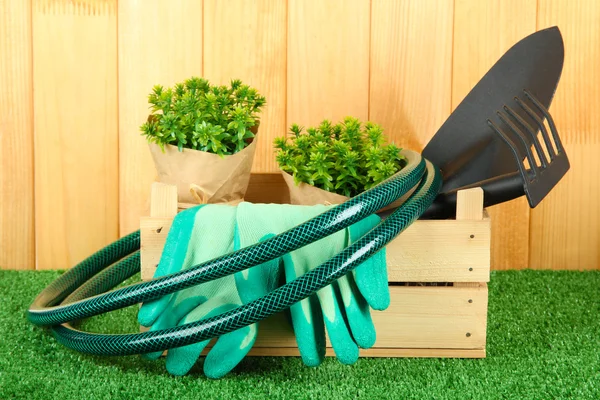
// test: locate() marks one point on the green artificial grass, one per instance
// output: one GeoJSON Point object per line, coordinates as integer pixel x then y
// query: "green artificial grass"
{"type": "Point", "coordinates": [543, 343]}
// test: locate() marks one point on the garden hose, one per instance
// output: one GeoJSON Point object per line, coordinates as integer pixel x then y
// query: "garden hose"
{"type": "Point", "coordinates": [84, 290]}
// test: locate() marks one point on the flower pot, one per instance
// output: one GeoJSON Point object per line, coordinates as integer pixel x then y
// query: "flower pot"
{"type": "Point", "coordinates": [202, 177]}
{"type": "Point", "coordinates": [308, 195]}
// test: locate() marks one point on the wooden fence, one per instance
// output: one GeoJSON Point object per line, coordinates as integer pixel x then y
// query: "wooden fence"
{"type": "Point", "coordinates": [75, 172]}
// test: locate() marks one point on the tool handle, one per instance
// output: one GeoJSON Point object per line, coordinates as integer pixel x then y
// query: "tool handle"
{"type": "Point", "coordinates": [495, 191]}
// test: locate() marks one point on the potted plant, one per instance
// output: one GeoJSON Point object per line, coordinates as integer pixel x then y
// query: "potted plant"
{"type": "Point", "coordinates": [329, 163]}
{"type": "Point", "coordinates": [202, 138]}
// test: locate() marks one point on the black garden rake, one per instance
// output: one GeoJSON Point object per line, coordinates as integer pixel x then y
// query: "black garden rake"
{"type": "Point", "coordinates": [544, 172]}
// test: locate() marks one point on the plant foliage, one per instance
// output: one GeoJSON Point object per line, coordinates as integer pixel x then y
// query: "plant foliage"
{"type": "Point", "coordinates": [197, 115]}
{"type": "Point", "coordinates": [346, 158]}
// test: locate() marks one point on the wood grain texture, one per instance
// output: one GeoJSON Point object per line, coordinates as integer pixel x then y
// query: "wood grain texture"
{"type": "Point", "coordinates": [328, 60]}
{"type": "Point", "coordinates": [372, 352]}
{"type": "Point", "coordinates": [164, 200]}
{"type": "Point", "coordinates": [427, 251]}
{"type": "Point", "coordinates": [251, 46]}
{"type": "Point", "coordinates": [160, 42]}
{"type": "Point", "coordinates": [565, 227]}
{"type": "Point", "coordinates": [155, 228]}
{"type": "Point", "coordinates": [16, 137]}
{"type": "Point", "coordinates": [441, 251]}
{"type": "Point", "coordinates": [404, 64]}
{"type": "Point", "coordinates": [411, 68]}
{"type": "Point", "coordinates": [419, 317]}
{"type": "Point", "coordinates": [153, 235]}
{"type": "Point", "coordinates": [483, 32]}
{"type": "Point", "coordinates": [469, 204]}
{"type": "Point", "coordinates": [75, 129]}
{"type": "Point", "coordinates": [435, 318]}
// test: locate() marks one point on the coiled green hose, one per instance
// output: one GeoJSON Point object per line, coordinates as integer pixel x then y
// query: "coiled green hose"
{"type": "Point", "coordinates": [75, 295]}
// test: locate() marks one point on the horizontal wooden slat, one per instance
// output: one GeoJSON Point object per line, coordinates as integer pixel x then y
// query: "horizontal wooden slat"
{"type": "Point", "coordinates": [395, 352]}
{"type": "Point", "coordinates": [419, 318]}
{"type": "Point", "coordinates": [420, 322]}
{"type": "Point", "coordinates": [427, 251]}
{"type": "Point", "coordinates": [441, 251]}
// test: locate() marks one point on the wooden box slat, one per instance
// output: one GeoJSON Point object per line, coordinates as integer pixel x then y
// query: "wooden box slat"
{"type": "Point", "coordinates": [441, 251]}
{"type": "Point", "coordinates": [418, 317]}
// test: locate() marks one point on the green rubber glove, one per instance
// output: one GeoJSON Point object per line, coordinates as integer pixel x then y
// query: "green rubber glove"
{"type": "Point", "coordinates": [341, 308]}
{"type": "Point", "coordinates": [197, 235]}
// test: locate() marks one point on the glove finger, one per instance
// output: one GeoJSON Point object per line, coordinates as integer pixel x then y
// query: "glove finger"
{"type": "Point", "coordinates": [149, 312]}
{"type": "Point", "coordinates": [172, 259]}
{"type": "Point", "coordinates": [307, 321]}
{"type": "Point", "coordinates": [257, 281]}
{"type": "Point", "coordinates": [228, 351]}
{"type": "Point", "coordinates": [170, 319]}
{"type": "Point", "coordinates": [357, 312]}
{"type": "Point", "coordinates": [371, 276]}
{"type": "Point", "coordinates": [342, 342]}
{"type": "Point", "coordinates": [177, 242]}
{"type": "Point", "coordinates": [181, 359]}
{"type": "Point", "coordinates": [371, 279]}
{"type": "Point", "coordinates": [178, 308]}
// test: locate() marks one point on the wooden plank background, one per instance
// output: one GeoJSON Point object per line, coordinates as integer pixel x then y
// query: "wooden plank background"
{"type": "Point", "coordinates": [75, 129]}
{"type": "Point", "coordinates": [75, 172]}
{"type": "Point", "coordinates": [17, 237]}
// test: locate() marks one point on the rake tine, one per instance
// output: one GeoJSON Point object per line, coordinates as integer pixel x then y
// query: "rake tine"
{"type": "Point", "coordinates": [512, 146]}
{"type": "Point", "coordinates": [553, 130]}
{"type": "Point", "coordinates": [540, 124]}
{"type": "Point", "coordinates": [528, 154]}
{"type": "Point", "coordinates": [536, 142]}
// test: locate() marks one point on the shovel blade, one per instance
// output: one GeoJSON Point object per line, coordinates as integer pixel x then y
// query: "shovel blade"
{"type": "Point", "coordinates": [465, 148]}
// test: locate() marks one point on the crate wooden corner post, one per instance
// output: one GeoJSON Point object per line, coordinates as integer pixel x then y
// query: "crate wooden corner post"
{"type": "Point", "coordinates": [154, 228]}
{"type": "Point", "coordinates": [438, 273]}
{"type": "Point", "coordinates": [437, 269]}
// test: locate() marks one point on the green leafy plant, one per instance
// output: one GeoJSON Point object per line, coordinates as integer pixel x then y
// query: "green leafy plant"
{"type": "Point", "coordinates": [197, 115]}
{"type": "Point", "coordinates": [346, 158]}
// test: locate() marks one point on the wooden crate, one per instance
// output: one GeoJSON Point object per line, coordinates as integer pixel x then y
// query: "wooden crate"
{"type": "Point", "coordinates": [438, 274]}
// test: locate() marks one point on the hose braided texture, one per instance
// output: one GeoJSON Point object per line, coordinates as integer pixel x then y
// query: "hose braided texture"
{"type": "Point", "coordinates": [44, 311]}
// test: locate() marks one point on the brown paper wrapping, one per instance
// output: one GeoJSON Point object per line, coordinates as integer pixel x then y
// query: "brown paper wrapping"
{"type": "Point", "coordinates": [308, 195]}
{"type": "Point", "coordinates": [202, 177]}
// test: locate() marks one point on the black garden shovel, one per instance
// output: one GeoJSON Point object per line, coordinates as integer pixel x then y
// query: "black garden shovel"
{"type": "Point", "coordinates": [492, 139]}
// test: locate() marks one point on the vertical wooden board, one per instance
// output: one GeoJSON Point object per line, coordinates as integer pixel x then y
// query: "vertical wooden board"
{"type": "Point", "coordinates": [469, 204]}
{"type": "Point", "coordinates": [246, 39]}
{"type": "Point", "coordinates": [16, 137]}
{"type": "Point", "coordinates": [483, 32]}
{"type": "Point", "coordinates": [565, 227]}
{"type": "Point", "coordinates": [411, 68]}
{"type": "Point", "coordinates": [75, 129]}
{"type": "Point", "coordinates": [328, 60]}
{"type": "Point", "coordinates": [160, 42]}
